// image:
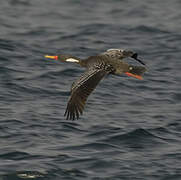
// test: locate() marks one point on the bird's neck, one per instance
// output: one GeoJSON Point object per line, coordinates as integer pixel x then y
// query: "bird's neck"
{"type": "Point", "coordinates": [76, 60]}
{"type": "Point", "coordinates": [69, 58]}
{"type": "Point", "coordinates": [72, 59]}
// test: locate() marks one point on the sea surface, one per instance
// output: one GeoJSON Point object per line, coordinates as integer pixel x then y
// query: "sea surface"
{"type": "Point", "coordinates": [130, 129]}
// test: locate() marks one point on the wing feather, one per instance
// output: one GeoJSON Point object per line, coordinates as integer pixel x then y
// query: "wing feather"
{"type": "Point", "coordinates": [80, 91]}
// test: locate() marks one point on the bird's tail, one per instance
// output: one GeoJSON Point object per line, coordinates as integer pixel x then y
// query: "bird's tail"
{"type": "Point", "coordinates": [136, 71]}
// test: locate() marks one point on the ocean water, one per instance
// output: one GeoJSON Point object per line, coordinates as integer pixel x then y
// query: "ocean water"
{"type": "Point", "coordinates": [130, 129]}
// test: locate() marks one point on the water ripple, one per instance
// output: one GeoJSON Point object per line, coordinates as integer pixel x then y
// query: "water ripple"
{"type": "Point", "coordinates": [128, 125]}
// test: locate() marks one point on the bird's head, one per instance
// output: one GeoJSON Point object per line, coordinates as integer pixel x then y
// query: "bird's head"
{"type": "Point", "coordinates": [121, 53]}
{"type": "Point", "coordinates": [64, 58]}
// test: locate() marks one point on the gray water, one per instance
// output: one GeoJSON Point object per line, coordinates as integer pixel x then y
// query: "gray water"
{"type": "Point", "coordinates": [130, 128]}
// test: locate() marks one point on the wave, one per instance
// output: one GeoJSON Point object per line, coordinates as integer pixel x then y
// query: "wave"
{"type": "Point", "coordinates": [138, 138]}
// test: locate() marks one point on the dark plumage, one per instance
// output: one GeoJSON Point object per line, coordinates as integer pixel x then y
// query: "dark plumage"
{"type": "Point", "coordinates": [110, 62]}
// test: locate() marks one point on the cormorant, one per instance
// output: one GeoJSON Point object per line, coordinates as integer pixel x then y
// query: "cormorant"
{"type": "Point", "coordinates": [109, 62]}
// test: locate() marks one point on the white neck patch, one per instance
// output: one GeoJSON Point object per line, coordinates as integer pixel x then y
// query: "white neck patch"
{"type": "Point", "coordinates": [72, 60]}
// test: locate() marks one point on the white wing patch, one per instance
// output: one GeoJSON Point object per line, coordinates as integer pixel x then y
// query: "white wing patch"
{"type": "Point", "coordinates": [72, 60]}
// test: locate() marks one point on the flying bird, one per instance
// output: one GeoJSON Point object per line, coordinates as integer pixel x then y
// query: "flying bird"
{"type": "Point", "coordinates": [97, 67]}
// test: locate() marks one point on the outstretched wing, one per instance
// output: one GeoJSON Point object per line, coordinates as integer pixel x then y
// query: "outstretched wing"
{"type": "Point", "coordinates": [80, 91]}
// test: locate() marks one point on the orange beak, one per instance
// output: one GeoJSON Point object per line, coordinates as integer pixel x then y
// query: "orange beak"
{"type": "Point", "coordinates": [134, 75]}
{"type": "Point", "coordinates": [52, 57]}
